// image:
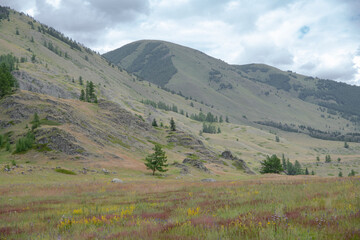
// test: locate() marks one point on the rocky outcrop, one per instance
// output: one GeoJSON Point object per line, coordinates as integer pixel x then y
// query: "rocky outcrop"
{"type": "Point", "coordinates": [189, 141]}
{"type": "Point", "coordinates": [183, 168]}
{"type": "Point", "coordinates": [196, 164]}
{"type": "Point", "coordinates": [29, 83]}
{"type": "Point", "coordinates": [238, 162]}
{"type": "Point", "coordinates": [59, 140]}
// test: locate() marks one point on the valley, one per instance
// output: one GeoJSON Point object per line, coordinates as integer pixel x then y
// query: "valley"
{"type": "Point", "coordinates": [229, 118]}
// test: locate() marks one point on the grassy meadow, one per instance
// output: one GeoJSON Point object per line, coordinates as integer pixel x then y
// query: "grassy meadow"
{"type": "Point", "coordinates": [91, 207]}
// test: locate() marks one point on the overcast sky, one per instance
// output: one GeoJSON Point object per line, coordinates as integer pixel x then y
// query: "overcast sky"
{"type": "Point", "coordinates": [313, 37]}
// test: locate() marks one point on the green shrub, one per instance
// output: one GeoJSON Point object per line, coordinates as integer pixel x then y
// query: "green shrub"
{"type": "Point", "coordinates": [65, 171]}
{"type": "Point", "coordinates": [25, 143]}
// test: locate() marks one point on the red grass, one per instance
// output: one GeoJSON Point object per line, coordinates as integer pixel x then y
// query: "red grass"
{"type": "Point", "coordinates": [6, 231]}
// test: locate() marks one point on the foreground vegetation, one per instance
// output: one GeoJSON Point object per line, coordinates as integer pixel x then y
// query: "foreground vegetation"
{"type": "Point", "coordinates": [273, 207]}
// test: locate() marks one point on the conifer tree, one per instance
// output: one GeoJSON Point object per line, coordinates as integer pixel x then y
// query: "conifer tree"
{"type": "Point", "coordinates": [157, 160]}
{"type": "Point", "coordinates": [271, 165]}
{"type": "Point", "coordinates": [306, 171]}
{"type": "Point", "coordinates": [283, 161]}
{"type": "Point", "coordinates": [35, 122]}
{"type": "Point", "coordinates": [82, 95]}
{"type": "Point", "coordinates": [172, 125]}
{"type": "Point", "coordinates": [154, 123]}
{"type": "Point", "coordinates": [297, 167]}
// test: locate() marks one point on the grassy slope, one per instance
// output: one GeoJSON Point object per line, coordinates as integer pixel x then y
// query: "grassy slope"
{"type": "Point", "coordinates": [247, 96]}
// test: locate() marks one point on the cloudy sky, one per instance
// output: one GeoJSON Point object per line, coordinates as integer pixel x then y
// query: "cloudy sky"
{"type": "Point", "coordinates": [318, 37]}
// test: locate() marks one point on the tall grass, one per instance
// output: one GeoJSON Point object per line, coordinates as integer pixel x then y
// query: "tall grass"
{"type": "Point", "coordinates": [270, 208]}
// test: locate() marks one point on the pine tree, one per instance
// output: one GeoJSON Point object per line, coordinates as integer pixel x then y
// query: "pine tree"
{"type": "Point", "coordinates": [271, 165]}
{"type": "Point", "coordinates": [306, 171]}
{"type": "Point", "coordinates": [290, 168]}
{"type": "Point", "coordinates": [312, 172]}
{"type": "Point", "coordinates": [297, 167]}
{"type": "Point", "coordinates": [91, 90]}
{"type": "Point", "coordinates": [219, 130]}
{"type": "Point", "coordinates": [172, 125]}
{"type": "Point", "coordinates": [87, 92]}
{"type": "Point", "coordinates": [7, 81]}
{"type": "Point", "coordinates": [81, 81]}
{"type": "Point", "coordinates": [35, 122]}
{"type": "Point", "coordinates": [346, 145]}
{"type": "Point", "coordinates": [154, 123]}
{"type": "Point", "coordinates": [157, 160]}
{"type": "Point", "coordinates": [283, 161]}
{"type": "Point", "coordinates": [82, 95]}
{"type": "Point", "coordinates": [352, 173]}
{"type": "Point", "coordinates": [327, 159]}
{"type": "Point", "coordinates": [227, 119]}
{"type": "Point", "coordinates": [221, 119]}
{"type": "Point", "coordinates": [340, 174]}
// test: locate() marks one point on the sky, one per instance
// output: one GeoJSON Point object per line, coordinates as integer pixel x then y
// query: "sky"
{"type": "Point", "coordinates": [319, 38]}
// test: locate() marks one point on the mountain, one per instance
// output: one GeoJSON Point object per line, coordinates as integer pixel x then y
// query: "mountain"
{"type": "Point", "coordinates": [254, 93]}
{"type": "Point", "coordinates": [160, 80]}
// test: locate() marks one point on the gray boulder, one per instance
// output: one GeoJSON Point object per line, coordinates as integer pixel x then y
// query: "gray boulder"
{"type": "Point", "coordinates": [208, 180]}
{"type": "Point", "coordinates": [116, 180]}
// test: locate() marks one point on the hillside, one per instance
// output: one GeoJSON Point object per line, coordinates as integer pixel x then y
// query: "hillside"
{"type": "Point", "coordinates": [253, 93]}
{"type": "Point", "coordinates": [193, 88]}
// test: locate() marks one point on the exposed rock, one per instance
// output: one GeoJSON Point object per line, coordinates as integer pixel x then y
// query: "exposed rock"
{"type": "Point", "coordinates": [57, 139]}
{"type": "Point", "coordinates": [116, 180]}
{"type": "Point", "coordinates": [197, 164]}
{"type": "Point", "coordinates": [183, 168]}
{"type": "Point", "coordinates": [105, 171]}
{"type": "Point", "coordinates": [208, 180]}
{"type": "Point", "coordinates": [238, 162]}
{"type": "Point", "coordinates": [189, 141]}
{"type": "Point", "coordinates": [26, 82]}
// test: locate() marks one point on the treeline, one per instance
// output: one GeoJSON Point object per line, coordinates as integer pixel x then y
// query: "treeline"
{"type": "Point", "coordinates": [7, 81]}
{"type": "Point", "coordinates": [284, 127]}
{"type": "Point", "coordinates": [56, 34]}
{"type": "Point", "coordinates": [162, 105]}
{"type": "Point", "coordinates": [209, 117]}
{"type": "Point", "coordinates": [293, 169]}
{"type": "Point", "coordinates": [315, 133]}
{"type": "Point", "coordinates": [341, 97]}
{"type": "Point", "coordinates": [209, 128]}
{"type": "Point", "coordinates": [49, 45]}
{"type": "Point", "coordinates": [273, 165]}
{"type": "Point", "coordinates": [4, 13]}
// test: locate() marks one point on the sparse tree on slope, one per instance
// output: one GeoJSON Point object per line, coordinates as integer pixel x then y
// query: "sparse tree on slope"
{"type": "Point", "coordinates": [172, 125]}
{"type": "Point", "coordinates": [157, 160]}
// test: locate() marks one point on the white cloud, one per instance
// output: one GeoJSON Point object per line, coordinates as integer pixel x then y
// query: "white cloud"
{"type": "Point", "coordinates": [318, 38]}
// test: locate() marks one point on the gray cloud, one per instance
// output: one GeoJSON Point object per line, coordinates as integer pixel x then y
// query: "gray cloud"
{"type": "Point", "coordinates": [291, 34]}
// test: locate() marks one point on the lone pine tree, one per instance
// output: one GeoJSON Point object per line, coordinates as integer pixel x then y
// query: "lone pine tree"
{"type": "Point", "coordinates": [157, 160]}
{"type": "Point", "coordinates": [172, 125]}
